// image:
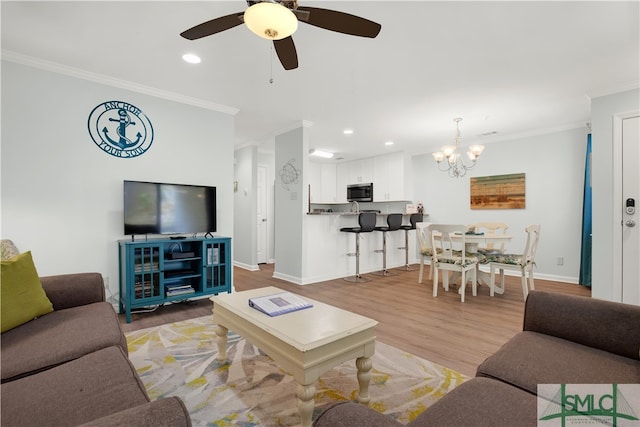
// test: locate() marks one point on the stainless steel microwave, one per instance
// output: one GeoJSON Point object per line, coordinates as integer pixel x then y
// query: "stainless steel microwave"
{"type": "Point", "coordinates": [360, 192]}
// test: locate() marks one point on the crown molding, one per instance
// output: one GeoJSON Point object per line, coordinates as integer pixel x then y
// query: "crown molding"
{"type": "Point", "coordinates": [78, 73]}
{"type": "Point", "coordinates": [537, 132]}
{"type": "Point", "coordinates": [515, 136]}
{"type": "Point", "coordinates": [610, 90]}
{"type": "Point", "coordinates": [297, 125]}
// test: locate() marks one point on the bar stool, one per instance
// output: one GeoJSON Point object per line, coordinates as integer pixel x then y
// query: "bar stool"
{"type": "Point", "coordinates": [413, 220]}
{"type": "Point", "coordinates": [394, 222]}
{"type": "Point", "coordinates": [367, 221]}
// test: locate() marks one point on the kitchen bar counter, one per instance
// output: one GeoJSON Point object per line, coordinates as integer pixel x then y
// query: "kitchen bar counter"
{"type": "Point", "coordinates": [326, 242]}
{"type": "Point", "coordinates": [353, 213]}
{"type": "Point", "coordinates": [339, 213]}
{"type": "Point", "coordinates": [354, 208]}
{"type": "Point", "coordinates": [332, 213]}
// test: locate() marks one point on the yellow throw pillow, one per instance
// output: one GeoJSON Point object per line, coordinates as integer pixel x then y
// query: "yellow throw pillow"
{"type": "Point", "coordinates": [21, 295]}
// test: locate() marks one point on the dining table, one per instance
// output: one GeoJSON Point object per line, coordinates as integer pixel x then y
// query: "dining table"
{"type": "Point", "coordinates": [471, 242]}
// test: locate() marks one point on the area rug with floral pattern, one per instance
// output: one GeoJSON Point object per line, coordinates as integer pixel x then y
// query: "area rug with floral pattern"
{"type": "Point", "coordinates": [179, 359]}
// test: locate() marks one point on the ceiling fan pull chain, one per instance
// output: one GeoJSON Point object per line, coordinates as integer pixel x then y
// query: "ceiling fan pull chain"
{"type": "Point", "coordinates": [271, 65]}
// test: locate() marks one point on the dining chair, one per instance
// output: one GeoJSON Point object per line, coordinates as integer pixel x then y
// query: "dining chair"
{"type": "Point", "coordinates": [423, 240]}
{"type": "Point", "coordinates": [491, 228]}
{"type": "Point", "coordinates": [523, 262]}
{"type": "Point", "coordinates": [445, 257]}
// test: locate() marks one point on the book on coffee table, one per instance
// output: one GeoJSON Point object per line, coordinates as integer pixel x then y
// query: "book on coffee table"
{"type": "Point", "coordinates": [280, 303]}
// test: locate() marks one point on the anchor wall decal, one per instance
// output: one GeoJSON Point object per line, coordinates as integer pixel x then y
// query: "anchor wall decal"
{"type": "Point", "coordinates": [124, 120]}
{"type": "Point", "coordinates": [110, 122]}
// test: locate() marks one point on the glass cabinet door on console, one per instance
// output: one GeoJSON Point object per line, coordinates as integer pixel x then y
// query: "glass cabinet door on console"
{"type": "Point", "coordinates": [154, 272]}
{"type": "Point", "coordinates": [216, 265]}
{"type": "Point", "coordinates": [147, 264]}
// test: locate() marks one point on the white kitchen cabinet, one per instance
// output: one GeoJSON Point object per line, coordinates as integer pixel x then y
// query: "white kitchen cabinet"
{"type": "Point", "coordinates": [322, 178]}
{"type": "Point", "coordinates": [389, 174]}
{"type": "Point", "coordinates": [328, 184]}
{"type": "Point", "coordinates": [390, 177]}
{"type": "Point", "coordinates": [361, 171]}
{"type": "Point", "coordinates": [342, 180]}
{"type": "Point", "coordinates": [315, 182]}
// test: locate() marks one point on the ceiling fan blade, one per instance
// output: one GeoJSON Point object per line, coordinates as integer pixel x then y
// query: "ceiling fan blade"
{"type": "Point", "coordinates": [286, 50]}
{"type": "Point", "coordinates": [341, 22]}
{"type": "Point", "coordinates": [214, 26]}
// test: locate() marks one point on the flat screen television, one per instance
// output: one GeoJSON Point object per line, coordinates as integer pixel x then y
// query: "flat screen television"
{"type": "Point", "coordinates": [159, 208]}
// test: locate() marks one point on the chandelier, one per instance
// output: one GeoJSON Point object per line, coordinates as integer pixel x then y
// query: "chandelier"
{"type": "Point", "coordinates": [455, 165]}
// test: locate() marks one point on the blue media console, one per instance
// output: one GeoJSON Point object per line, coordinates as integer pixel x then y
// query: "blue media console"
{"type": "Point", "coordinates": [157, 271]}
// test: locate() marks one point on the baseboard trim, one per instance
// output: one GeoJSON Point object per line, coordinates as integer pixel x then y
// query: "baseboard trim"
{"type": "Point", "coordinates": [244, 266]}
{"type": "Point", "coordinates": [563, 279]}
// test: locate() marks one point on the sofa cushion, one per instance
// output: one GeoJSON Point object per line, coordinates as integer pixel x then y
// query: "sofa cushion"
{"type": "Point", "coordinates": [607, 325]}
{"type": "Point", "coordinates": [58, 337]}
{"type": "Point", "coordinates": [21, 295]}
{"type": "Point", "coordinates": [71, 290]}
{"type": "Point", "coordinates": [478, 402]}
{"type": "Point", "coordinates": [351, 414]}
{"type": "Point", "coordinates": [169, 411]}
{"type": "Point", "coordinates": [532, 358]}
{"type": "Point", "coordinates": [481, 402]}
{"type": "Point", "coordinates": [91, 387]}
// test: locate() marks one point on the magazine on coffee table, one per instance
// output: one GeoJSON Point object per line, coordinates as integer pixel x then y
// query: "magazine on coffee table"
{"type": "Point", "coordinates": [280, 303]}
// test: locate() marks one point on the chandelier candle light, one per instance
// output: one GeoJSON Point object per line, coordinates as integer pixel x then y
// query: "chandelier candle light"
{"type": "Point", "coordinates": [455, 165]}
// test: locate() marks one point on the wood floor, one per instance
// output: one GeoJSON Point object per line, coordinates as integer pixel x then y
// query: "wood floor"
{"type": "Point", "coordinates": [443, 330]}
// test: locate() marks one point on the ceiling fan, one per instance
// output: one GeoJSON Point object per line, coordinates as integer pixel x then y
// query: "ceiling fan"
{"type": "Point", "coordinates": [278, 20]}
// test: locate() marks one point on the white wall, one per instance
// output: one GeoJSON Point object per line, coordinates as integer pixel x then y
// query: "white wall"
{"type": "Point", "coordinates": [244, 249]}
{"type": "Point", "coordinates": [554, 167]}
{"type": "Point", "coordinates": [603, 109]}
{"type": "Point", "coordinates": [245, 227]}
{"type": "Point", "coordinates": [267, 159]}
{"type": "Point", "coordinates": [290, 204]}
{"type": "Point", "coordinates": [62, 196]}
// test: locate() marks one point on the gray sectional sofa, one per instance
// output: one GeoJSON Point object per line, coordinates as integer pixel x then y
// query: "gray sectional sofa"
{"type": "Point", "coordinates": [70, 367]}
{"type": "Point", "coordinates": [565, 340]}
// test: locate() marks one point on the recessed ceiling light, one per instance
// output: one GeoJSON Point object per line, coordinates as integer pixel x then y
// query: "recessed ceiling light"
{"type": "Point", "coordinates": [348, 131]}
{"type": "Point", "coordinates": [191, 58]}
{"type": "Point", "coordinates": [389, 143]}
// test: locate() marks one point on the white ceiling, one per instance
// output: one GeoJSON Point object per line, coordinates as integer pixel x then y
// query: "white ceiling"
{"type": "Point", "coordinates": [512, 67]}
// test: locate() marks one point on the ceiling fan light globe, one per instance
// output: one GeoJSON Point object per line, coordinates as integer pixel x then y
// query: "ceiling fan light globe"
{"type": "Point", "coordinates": [270, 21]}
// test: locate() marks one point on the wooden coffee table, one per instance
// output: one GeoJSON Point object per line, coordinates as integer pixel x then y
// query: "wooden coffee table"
{"type": "Point", "coordinates": [305, 343]}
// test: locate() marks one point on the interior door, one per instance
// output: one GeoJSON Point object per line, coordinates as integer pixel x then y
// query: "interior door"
{"type": "Point", "coordinates": [630, 216]}
{"type": "Point", "coordinates": [261, 217]}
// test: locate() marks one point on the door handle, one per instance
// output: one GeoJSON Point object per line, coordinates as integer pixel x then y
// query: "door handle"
{"type": "Point", "coordinates": [630, 223]}
{"type": "Point", "coordinates": [264, 219]}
